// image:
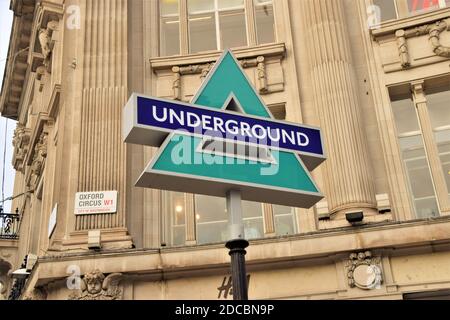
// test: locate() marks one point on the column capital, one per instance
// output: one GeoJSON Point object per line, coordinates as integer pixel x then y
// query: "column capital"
{"type": "Point", "coordinates": [418, 90]}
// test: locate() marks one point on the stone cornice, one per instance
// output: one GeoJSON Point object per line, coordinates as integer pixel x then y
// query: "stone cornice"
{"type": "Point", "coordinates": [433, 25]}
{"type": "Point", "coordinates": [202, 63]}
{"type": "Point", "coordinates": [389, 28]}
{"type": "Point", "coordinates": [16, 65]}
{"type": "Point", "coordinates": [390, 238]}
{"type": "Point", "coordinates": [203, 58]}
{"type": "Point", "coordinates": [30, 18]}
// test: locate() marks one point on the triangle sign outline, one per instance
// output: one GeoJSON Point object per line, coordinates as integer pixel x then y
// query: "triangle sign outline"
{"type": "Point", "coordinates": [294, 158]}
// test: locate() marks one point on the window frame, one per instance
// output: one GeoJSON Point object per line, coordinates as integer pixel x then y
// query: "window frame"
{"type": "Point", "coordinates": [191, 225]}
{"type": "Point", "coordinates": [421, 104]}
{"type": "Point", "coordinates": [216, 11]}
{"type": "Point", "coordinates": [250, 23]}
{"type": "Point", "coordinates": [431, 147]}
{"type": "Point", "coordinates": [402, 9]}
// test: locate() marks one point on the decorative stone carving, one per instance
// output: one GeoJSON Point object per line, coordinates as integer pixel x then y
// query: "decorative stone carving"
{"type": "Point", "coordinates": [95, 286]}
{"type": "Point", "coordinates": [176, 86]}
{"type": "Point", "coordinates": [403, 48]}
{"type": "Point", "coordinates": [364, 271]}
{"type": "Point", "coordinates": [40, 154]}
{"type": "Point", "coordinates": [260, 64]}
{"type": "Point", "coordinates": [45, 39]}
{"type": "Point", "coordinates": [433, 30]}
{"type": "Point", "coordinates": [204, 69]}
{"type": "Point", "coordinates": [262, 78]}
{"type": "Point", "coordinates": [20, 143]}
{"type": "Point", "coordinates": [17, 133]}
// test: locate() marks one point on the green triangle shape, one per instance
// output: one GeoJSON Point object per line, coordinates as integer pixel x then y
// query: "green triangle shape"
{"type": "Point", "coordinates": [227, 79]}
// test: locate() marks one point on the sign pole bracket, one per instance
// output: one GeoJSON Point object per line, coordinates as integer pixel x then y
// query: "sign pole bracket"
{"type": "Point", "coordinates": [237, 245]}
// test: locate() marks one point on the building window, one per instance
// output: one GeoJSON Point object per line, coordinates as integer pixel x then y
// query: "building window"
{"type": "Point", "coordinates": [285, 222]}
{"type": "Point", "coordinates": [265, 21]}
{"type": "Point", "coordinates": [393, 9]}
{"type": "Point", "coordinates": [175, 230]}
{"type": "Point", "coordinates": [214, 25]}
{"type": "Point", "coordinates": [422, 6]}
{"type": "Point", "coordinates": [253, 220]}
{"type": "Point", "coordinates": [438, 100]}
{"type": "Point", "coordinates": [423, 129]}
{"type": "Point", "coordinates": [387, 9]}
{"type": "Point", "coordinates": [212, 219]}
{"type": "Point", "coordinates": [169, 28]}
{"type": "Point", "coordinates": [414, 157]}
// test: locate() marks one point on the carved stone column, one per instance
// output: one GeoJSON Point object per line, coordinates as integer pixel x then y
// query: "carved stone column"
{"type": "Point", "coordinates": [102, 156]}
{"type": "Point", "coordinates": [348, 182]}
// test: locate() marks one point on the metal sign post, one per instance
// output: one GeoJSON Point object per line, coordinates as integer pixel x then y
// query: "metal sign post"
{"type": "Point", "coordinates": [237, 245]}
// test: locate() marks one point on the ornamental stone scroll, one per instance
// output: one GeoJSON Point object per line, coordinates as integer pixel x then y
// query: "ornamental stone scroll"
{"type": "Point", "coordinates": [433, 30]}
{"type": "Point", "coordinates": [203, 69]}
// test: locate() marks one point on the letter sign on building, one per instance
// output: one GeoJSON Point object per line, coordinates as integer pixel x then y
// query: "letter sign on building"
{"type": "Point", "coordinates": [95, 202]}
{"type": "Point", "coordinates": [226, 139]}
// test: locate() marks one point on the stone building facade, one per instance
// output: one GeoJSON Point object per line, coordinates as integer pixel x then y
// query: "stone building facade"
{"type": "Point", "coordinates": [373, 74]}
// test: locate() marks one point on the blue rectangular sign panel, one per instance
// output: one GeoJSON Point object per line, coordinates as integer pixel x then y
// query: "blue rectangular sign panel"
{"type": "Point", "coordinates": [174, 116]}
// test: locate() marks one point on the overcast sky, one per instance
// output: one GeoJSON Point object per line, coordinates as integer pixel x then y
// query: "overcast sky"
{"type": "Point", "coordinates": [5, 29]}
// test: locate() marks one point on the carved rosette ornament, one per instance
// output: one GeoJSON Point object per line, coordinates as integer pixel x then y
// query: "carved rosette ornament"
{"type": "Point", "coordinates": [364, 271]}
{"type": "Point", "coordinates": [95, 286]}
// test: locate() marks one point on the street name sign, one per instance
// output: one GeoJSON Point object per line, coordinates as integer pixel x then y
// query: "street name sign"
{"type": "Point", "coordinates": [225, 139]}
{"type": "Point", "coordinates": [95, 202]}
